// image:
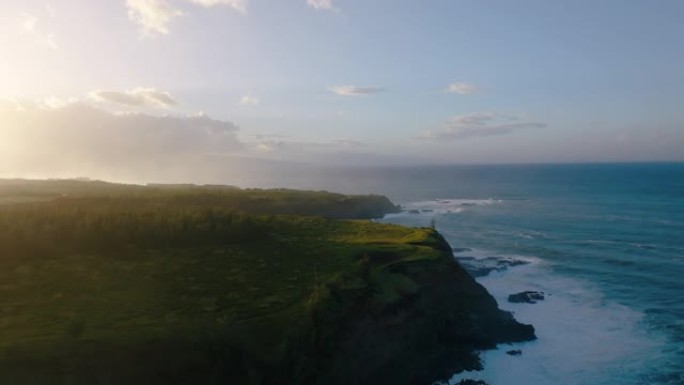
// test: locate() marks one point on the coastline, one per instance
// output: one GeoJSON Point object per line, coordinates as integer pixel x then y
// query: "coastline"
{"type": "Point", "coordinates": [429, 335]}
{"type": "Point", "coordinates": [346, 300]}
{"type": "Point", "coordinates": [569, 349]}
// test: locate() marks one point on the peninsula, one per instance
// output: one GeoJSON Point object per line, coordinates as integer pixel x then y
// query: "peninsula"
{"type": "Point", "coordinates": [179, 284]}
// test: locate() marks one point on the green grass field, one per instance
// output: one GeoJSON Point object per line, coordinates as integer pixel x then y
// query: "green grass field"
{"type": "Point", "coordinates": [105, 290]}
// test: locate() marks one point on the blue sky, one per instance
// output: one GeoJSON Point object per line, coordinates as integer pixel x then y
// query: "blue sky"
{"type": "Point", "coordinates": [353, 81]}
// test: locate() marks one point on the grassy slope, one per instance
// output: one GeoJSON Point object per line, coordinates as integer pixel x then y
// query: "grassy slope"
{"type": "Point", "coordinates": [162, 313]}
{"type": "Point", "coordinates": [137, 291]}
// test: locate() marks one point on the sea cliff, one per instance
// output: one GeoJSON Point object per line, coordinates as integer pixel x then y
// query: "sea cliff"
{"type": "Point", "coordinates": [422, 321]}
{"type": "Point", "coordinates": [176, 287]}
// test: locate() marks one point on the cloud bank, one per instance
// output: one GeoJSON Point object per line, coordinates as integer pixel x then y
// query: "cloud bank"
{"type": "Point", "coordinates": [461, 88]}
{"type": "Point", "coordinates": [481, 124]}
{"type": "Point", "coordinates": [64, 138]}
{"type": "Point", "coordinates": [153, 16]}
{"type": "Point", "coordinates": [238, 5]}
{"type": "Point", "coordinates": [355, 91]}
{"type": "Point", "coordinates": [137, 97]}
{"type": "Point", "coordinates": [79, 139]}
{"type": "Point", "coordinates": [326, 5]}
{"type": "Point", "coordinates": [249, 100]}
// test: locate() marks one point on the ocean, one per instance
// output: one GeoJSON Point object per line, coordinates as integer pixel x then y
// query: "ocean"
{"type": "Point", "coordinates": [603, 242]}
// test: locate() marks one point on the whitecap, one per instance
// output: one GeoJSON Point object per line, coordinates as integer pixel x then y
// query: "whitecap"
{"type": "Point", "coordinates": [582, 337]}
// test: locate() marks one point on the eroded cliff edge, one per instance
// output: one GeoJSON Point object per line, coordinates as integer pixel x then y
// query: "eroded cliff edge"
{"type": "Point", "coordinates": [422, 321]}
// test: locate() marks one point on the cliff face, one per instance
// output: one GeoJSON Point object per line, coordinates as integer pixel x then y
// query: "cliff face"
{"type": "Point", "coordinates": [429, 330]}
{"type": "Point", "coordinates": [179, 289]}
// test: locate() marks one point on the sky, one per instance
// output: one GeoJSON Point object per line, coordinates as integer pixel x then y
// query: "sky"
{"type": "Point", "coordinates": [92, 86]}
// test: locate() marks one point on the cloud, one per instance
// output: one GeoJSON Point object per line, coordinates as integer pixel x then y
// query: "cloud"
{"type": "Point", "coordinates": [355, 91]}
{"type": "Point", "coordinates": [30, 25]}
{"type": "Point", "coordinates": [153, 16]}
{"type": "Point", "coordinates": [481, 124]}
{"type": "Point", "coordinates": [79, 139]}
{"type": "Point", "coordinates": [248, 100]}
{"type": "Point", "coordinates": [461, 88]}
{"type": "Point", "coordinates": [54, 103]}
{"type": "Point", "coordinates": [138, 97]}
{"type": "Point", "coordinates": [29, 22]}
{"type": "Point", "coordinates": [239, 5]}
{"type": "Point", "coordinates": [326, 5]}
{"type": "Point", "coordinates": [280, 147]}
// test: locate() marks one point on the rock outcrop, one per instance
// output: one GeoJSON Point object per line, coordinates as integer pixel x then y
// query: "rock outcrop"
{"type": "Point", "coordinates": [427, 335]}
{"type": "Point", "coordinates": [526, 297]}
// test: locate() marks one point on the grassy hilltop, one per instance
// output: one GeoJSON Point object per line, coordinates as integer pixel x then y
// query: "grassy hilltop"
{"type": "Point", "coordinates": [109, 284]}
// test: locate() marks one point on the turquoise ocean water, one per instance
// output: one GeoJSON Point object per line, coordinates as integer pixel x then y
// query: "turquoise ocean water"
{"type": "Point", "coordinates": [605, 242]}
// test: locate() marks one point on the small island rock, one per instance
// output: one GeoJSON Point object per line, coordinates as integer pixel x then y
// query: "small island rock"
{"type": "Point", "coordinates": [471, 382]}
{"type": "Point", "coordinates": [526, 297]}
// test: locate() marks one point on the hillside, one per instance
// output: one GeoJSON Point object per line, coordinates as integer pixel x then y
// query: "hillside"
{"type": "Point", "coordinates": [249, 201]}
{"type": "Point", "coordinates": [163, 289]}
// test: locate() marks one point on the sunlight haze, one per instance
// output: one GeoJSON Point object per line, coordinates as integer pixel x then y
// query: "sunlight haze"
{"type": "Point", "coordinates": [89, 87]}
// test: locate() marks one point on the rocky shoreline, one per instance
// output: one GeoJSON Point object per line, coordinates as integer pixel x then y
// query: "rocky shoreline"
{"type": "Point", "coordinates": [429, 336]}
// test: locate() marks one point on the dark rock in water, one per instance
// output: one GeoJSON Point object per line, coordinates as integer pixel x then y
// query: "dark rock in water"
{"type": "Point", "coordinates": [471, 382]}
{"type": "Point", "coordinates": [516, 352]}
{"type": "Point", "coordinates": [426, 210]}
{"type": "Point", "coordinates": [481, 271]}
{"type": "Point", "coordinates": [414, 212]}
{"type": "Point", "coordinates": [526, 297]}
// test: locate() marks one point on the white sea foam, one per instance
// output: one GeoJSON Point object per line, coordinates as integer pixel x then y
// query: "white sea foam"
{"type": "Point", "coordinates": [480, 254]}
{"type": "Point", "coordinates": [445, 206]}
{"type": "Point", "coordinates": [582, 338]}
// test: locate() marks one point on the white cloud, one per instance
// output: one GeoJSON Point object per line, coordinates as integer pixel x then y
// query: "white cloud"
{"type": "Point", "coordinates": [265, 147]}
{"type": "Point", "coordinates": [249, 100]}
{"type": "Point", "coordinates": [138, 97]}
{"type": "Point", "coordinates": [11, 105]}
{"type": "Point", "coordinates": [153, 16]}
{"type": "Point", "coordinates": [239, 5]}
{"type": "Point", "coordinates": [30, 25]}
{"type": "Point", "coordinates": [461, 88]}
{"type": "Point", "coordinates": [54, 103]}
{"type": "Point", "coordinates": [322, 4]}
{"type": "Point", "coordinates": [295, 149]}
{"type": "Point", "coordinates": [355, 91]}
{"type": "Point", "coordinates": [481, 124]}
